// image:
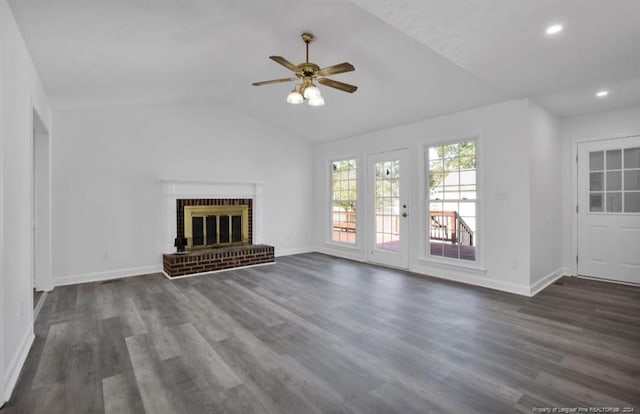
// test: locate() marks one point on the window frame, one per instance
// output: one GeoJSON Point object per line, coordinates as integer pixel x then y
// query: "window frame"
{"type": "Point", "coordinates": [477, 265]}
{"type": "Point", "coordinates": [604, 191]}
{"type": "Point", "coordinates": [358, 215]}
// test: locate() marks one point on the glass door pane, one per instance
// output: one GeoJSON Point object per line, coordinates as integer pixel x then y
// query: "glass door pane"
{"type": "Point", "coordinates": [387, 205]}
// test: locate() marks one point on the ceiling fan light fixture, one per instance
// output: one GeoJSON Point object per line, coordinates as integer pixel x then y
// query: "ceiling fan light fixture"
{"type": "Point", "coordinates": [316, 101]}
{"type": "Point", "coordinates": [308, 72]}
{"type": "Point", "coordinates": [295, 98]}
{"type": "Point", "coordinates": [554, 29]}
{"type": "Point", "coordinates": [312, 92]}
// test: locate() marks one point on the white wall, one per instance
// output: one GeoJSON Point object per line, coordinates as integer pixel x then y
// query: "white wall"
{"type": "Point", "coordinates": [109, 164]}
{"type": "Point", "coordinates": [614, 124]}
{"type": "Point", "coordinates": [503, 131]}
{"type": "Point", "coordinates": [20, 92]}
{"type": "Point", "coordinates": [546, 202]}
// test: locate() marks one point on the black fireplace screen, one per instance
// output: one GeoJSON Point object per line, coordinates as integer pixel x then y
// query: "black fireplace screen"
{"type": "Point", "coordinates": [214, 230]}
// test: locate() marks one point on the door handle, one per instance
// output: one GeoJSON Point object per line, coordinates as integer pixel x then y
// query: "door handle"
{"type": "Point", "coordinates": [404, 214]}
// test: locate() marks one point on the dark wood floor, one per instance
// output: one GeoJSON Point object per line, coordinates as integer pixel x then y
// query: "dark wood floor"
{"type": "Point", "coordinates": [315, 334]}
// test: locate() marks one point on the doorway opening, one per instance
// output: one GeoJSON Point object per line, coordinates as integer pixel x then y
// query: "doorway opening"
{"type": "Point", "coordinates": [41, 277]}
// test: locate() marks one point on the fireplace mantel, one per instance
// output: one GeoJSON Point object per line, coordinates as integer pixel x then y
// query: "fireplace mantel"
{"type": "Point", "coordinates": [175, 189]}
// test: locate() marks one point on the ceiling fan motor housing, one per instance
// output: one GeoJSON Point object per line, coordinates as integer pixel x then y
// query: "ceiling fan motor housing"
{"type": "Point", "coordinates": [308, 69]}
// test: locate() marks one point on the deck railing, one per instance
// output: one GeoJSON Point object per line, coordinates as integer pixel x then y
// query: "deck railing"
{"type": "Point", "coordinates": [449, 226]}
{"type": "Point", "coordinates": [344, 221]}
{"type": "Point", "coordinates": [444, 225]}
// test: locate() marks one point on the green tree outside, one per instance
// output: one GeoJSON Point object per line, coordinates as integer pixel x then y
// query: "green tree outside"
{"type": "Point", "coordinates": [451, 158]}
{"type": "Point", "coordinates": [344, 184]}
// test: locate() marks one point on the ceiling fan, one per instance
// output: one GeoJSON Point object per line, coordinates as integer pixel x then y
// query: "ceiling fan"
{"type": "Point", "coordinates": [308, 72]}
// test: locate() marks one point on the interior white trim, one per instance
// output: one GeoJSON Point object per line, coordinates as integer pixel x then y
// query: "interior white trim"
{"type": "Point", "coordinates": [546, 281]}
{"type": "Point", "coordinates": [600, 279]}
{"type": "Point", "coordinates": [292, 251]}
{"type": "Point", "coordinates": [38, 306]}
{"type": "Point", "coordinates": [465, 276]}
{"type": "Point", "coordinates": [453, 264]}
{"type": "Point", "coordinates": [107, 275]}
{"type": "Point", "coordinates": [344, 253]}
{"type": "Point", "coordinates": [175, 189]}
{"type": "Point", "coordinates": [16, 363]}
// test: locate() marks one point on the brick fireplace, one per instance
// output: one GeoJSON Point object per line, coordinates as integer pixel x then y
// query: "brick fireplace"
{"type": "Point", "coordinates": [219, 224]}
{"type": "Point", "coordinates": [209, 205]}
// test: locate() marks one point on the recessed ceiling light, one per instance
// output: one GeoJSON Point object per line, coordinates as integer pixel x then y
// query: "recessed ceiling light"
{"type": "Point", "coordinates": [602, 94]}
{"type": "Point", "coordinates": [554, 29]}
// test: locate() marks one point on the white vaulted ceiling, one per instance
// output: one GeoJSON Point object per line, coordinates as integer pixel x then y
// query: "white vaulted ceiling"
{"type": "Point", "coordinates": [414, 59]}
{"type": "Point", "coordinates": [503, 43]}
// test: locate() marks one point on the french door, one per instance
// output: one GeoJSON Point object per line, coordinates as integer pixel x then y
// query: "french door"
{"type": "Point", "coordinates": [609, 209]}
{"type": "Point", "coordinates": [387, 208]}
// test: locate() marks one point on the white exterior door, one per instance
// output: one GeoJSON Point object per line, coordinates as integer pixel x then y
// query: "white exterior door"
{"type": "Point", "coordinates": [609, 209]}
{"type": "Point", "coordinates": [387, 207]}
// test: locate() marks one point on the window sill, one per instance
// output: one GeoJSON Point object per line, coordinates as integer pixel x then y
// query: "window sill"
{"type": "Point", "coordinates": [443, 263]}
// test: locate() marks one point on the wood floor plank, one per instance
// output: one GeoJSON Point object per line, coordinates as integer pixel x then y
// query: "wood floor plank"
{"type": "Point", "coordinates": [51, 366]}
{"type": "Point", "coordinates": [317, 334]}
{"type": "Point", "coordinates": [204, 357]}
{"type": "Point", "coordinates": [148, 373]}
{"type": "Point", "coordinates": [121, 395]}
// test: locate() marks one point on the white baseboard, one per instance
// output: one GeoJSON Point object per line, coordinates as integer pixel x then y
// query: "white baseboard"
{"type": "Point", "coordinates": [467, 276]}
{"type": "Point", "coordinates": [546, 281]}
{"type": "Point", "coordinates": [444, 271]}
{"type": "Point", "coordinates": [356, 256]}
{"type": "Point", "coordinates": [106, 275]}
{"type": "Point", "coordinates": [39, 304]}
{"type": "Point", "coordinates": [15, 365]}
{"type": "Point", "coordinates": [297, 250]}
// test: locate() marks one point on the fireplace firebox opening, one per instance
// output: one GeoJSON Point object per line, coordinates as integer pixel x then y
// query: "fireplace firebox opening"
{"type": "Point", "coordinates": [216, 226]}
{"type": "Point", "coordinates": [212, 223]}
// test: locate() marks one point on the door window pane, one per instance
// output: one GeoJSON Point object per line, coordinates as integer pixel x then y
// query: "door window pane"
{"type": "Point", "coordinates": [614, 202]}
{"type": "Point", "coordinates": [614, 181]}
{"type": "Point", "coordinates": [614, 160]}
{"type": "Point", "coordinates": [595, 202]}
{"type": "Point", "coordinates": [632, 158]}
{"type": "Point", "coordinates": [595, 181]}
{"type": "Point", "coordinates": [596, 161]}
{"type": "Point", "coordinates": [387, 208]}
{"type": "Point", "coordinates": [632, 202]}
{"type": "Point", "coordinates": [632, 180]}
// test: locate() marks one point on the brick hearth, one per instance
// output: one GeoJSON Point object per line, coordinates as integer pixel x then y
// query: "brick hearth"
{"type": "Point", "coordinates": [209, 260]}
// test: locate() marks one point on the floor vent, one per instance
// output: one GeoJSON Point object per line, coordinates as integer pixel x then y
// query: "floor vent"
{"type": "Point", "coordinates": [111, 281]}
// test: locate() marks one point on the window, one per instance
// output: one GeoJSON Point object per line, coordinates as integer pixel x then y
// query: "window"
{"type": "Point", "coordinates": [614, 181]}
{"type": "Point", "coordinates": [344, 190]}
{"type": "Point", "coordinates": [452, 200]}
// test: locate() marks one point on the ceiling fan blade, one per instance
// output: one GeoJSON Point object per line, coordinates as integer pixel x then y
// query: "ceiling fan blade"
{"type": "Point", "coordinates": [284, 62]}
{"type": "Point", "coordinates": [338, 85]}
{"type": "Point", "coordinates": [273, 81]}
{"type": "Point", "coordinates": [335, 69]}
